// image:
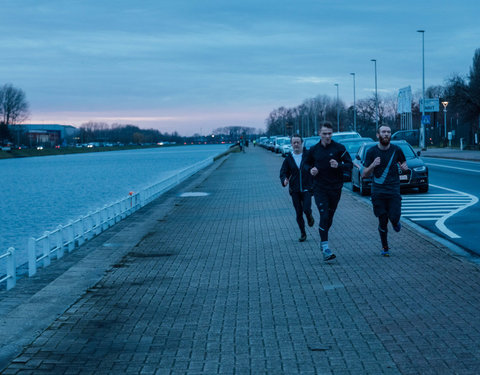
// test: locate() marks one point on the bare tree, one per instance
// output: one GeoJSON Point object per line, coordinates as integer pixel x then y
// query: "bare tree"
{"type": "Point", "coordinates": [13, 105]}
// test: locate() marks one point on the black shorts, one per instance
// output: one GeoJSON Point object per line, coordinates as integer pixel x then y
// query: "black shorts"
{"type": "Point", "coordinates": [390, 205]}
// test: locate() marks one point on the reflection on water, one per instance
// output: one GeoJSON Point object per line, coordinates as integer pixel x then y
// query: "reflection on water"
{"type": "Point", "coordinates": [40, 193]}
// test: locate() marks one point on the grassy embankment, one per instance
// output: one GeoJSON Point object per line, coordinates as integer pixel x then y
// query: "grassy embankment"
{"type": "Point", "coordinates": [29, 152]}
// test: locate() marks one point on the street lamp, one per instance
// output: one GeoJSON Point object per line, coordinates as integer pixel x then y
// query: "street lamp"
{"type": "Point", "coordinates": [445, 117]}
{"type": "Point", "coordinates": [338, 111]}
{"type": "Point", "coordinates": [376, 94]}
{"type": "Point", "coordinates": [354, 105]}
{"type": "Point", "coordinates": [422, 126]}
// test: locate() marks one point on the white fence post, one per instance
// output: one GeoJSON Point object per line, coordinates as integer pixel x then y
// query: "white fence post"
{"type": "Point", "coordinates": [11, 269]}
{"type": "Point", "coordinates": [118, 212]}
{"type": "Point", "coordinates": [70, 236]}
{"type": "Point", "coordinates": [32, 257]}
{"type": "Point", "coordinates": [90, 224]}
{"type": "Point", "coordinates": [105, 218]}
{"type": "Point", "coordinates": [98, 222]}
{"type": "Point", "coordinates": [46, 249]}
{"type": "Point", "coordinates": [59, 242]}
{"type": "Point", "coordinates": [81, 233]}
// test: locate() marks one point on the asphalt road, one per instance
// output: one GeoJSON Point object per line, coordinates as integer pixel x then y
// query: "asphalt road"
{"type": "Point", "coordinates": [460, 177]}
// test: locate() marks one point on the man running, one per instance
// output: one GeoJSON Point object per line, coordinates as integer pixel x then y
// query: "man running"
{"type": "Point", "coordinates": [329, 160]}
{"type": "Point", "coordinates": [383, 161]}
{"type": "Point", "coordinates": [296, 174]}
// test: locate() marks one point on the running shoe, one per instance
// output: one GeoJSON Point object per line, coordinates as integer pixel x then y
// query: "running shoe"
{"type": "Point", "coordinates": [328, 255]}
{"type": "Point", "coordinates": [385, 252]}
{"type": "Point", "coordinates": [303, 237]}
{"type": "Point", "coordinates": [311, 220]}
{"type": "Point", "coordinates": [397, 227]}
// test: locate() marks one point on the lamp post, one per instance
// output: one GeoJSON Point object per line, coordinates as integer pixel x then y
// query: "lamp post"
{"type": "Point", "coordinates": [338, 111]}
{"type": "Point", "coordinates": [445, 117]}
{"type": "Point", "coordinates": [376, 94]}
{"type": "Point", "coordinates": [422, 126]}
{"type": "Point", "coordinates": [354, 105]}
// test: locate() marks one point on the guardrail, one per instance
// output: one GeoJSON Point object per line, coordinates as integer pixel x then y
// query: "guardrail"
{"type": "Point", "coordinates": [53, 244]}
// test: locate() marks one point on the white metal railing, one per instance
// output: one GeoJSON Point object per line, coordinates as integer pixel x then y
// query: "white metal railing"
{"type": "Point", "coordinates": [11, 276]}
{"type": "Point", "coordinates": [53, 244]}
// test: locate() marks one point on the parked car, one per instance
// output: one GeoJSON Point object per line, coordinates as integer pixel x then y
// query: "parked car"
{"type": "Point", "coordinates": [286, 147]}
{"type": "Point", "coordinates": [279, 142]}
{"type": "Point", "coordinates": [415, 177]}
{"type": "Point", "coordinates": [337, 136]}
{"type": "Point", "coordinates": [310, 141]}
{"type": "Point", "coordinates": [411, 136]}
{"type": "Point", "coordinates": [353, 144]}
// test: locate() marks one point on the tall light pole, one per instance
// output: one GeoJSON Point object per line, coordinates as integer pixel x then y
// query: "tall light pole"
{"type": "Point", "coordinates": [445, 117]}
{"type": "Point", "coordinates": [422, 125]}
{"type": "Point", "coordinates": [376, 94]}
{"type": "Point", "coordinates": [338, 111]}
{"type": "Point", "coordinates": [354, 105]}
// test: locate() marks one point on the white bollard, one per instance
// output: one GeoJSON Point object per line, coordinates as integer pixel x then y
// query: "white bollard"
{"type": "Point", "coordinates": [32, 257]}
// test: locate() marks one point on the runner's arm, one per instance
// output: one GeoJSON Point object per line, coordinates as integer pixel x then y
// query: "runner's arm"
{"type": "Point", "coordinates": [285, 172]}
{"type": "Point", "coordinates": [370, 164]}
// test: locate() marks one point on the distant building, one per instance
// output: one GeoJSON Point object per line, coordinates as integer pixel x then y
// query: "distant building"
{"type": "Point", "coordinates": [43, 134]}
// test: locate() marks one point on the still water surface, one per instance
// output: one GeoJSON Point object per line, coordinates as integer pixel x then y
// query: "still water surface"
{"type": "Point", "coordinates": [39, 193]}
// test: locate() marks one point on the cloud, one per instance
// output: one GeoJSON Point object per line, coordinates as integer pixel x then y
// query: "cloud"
{"type": "Point", "coordinates": [312, 79]}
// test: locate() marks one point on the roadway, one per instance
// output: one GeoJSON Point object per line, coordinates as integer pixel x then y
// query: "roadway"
{"type": "Point", "coordinates": [459, 181]}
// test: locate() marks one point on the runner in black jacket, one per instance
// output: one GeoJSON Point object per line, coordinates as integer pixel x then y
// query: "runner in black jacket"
{"type": "Point", "coordinates": [329, 161]}
{"type": "Point", "coordinates": [296, 174]}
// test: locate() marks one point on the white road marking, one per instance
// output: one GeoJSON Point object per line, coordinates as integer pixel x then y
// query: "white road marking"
{"type": "Point", "coordinates": [448, 166]}
{"type": "Point", "coordinates": [437, 207]}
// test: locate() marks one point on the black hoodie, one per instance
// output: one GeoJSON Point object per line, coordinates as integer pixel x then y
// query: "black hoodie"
{"type": "Point", "coordinates": [327, 177]}
{"type": "Point", "coordinates": [298, 182]}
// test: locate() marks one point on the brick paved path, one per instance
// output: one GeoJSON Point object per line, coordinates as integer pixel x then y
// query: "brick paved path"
{"type": "Point", "coordinates": [221, 285]}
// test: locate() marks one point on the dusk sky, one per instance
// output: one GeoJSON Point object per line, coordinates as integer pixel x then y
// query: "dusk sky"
{"type": "Point", "coordinates": [193, 66]}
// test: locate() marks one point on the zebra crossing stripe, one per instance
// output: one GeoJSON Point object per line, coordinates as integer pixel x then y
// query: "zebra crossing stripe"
{"type": "Point", "coordinates": [437, 207]}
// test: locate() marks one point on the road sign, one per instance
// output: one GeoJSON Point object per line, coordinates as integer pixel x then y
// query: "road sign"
{"type": "Point", "coordinates": [426, 119]}
{"type": "Point", "coordinates": [431, 105]}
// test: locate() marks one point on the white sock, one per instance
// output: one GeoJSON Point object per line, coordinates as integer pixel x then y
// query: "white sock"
{"type": "Point", "coordinates": [324, 245]}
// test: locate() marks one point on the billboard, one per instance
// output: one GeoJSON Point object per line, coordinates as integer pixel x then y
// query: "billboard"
{"type": "Point", "coordinates": [404, 100]}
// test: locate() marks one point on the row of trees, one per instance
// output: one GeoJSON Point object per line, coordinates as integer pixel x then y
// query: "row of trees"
{"type": "Point", "coordinates": [13, 109]}
{"type": "Point", "coordinates": [462, 94]}
{"type": "Point", "coordinates": [125, 134]}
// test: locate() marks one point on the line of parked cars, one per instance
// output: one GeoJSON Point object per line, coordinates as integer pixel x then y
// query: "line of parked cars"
{"type": "Point", "coordinates": [357, 146]}
{"type": "Point", "coordinates": [277, 144]}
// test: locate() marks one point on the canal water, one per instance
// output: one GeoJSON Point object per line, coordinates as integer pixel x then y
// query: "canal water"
{"type": "Point", "coordinates": [39, 193]}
